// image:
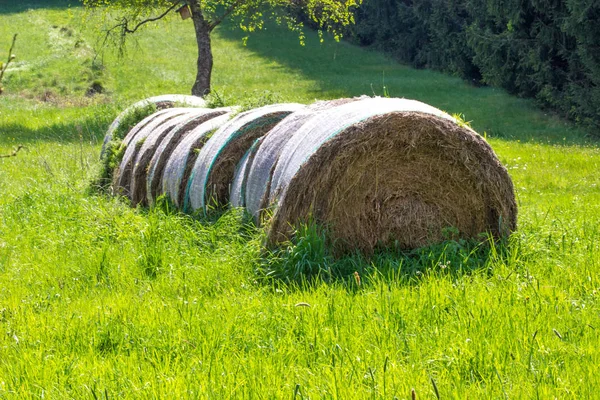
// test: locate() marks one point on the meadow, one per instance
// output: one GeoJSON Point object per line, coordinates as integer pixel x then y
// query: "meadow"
{"type": "Point", "coordinates": [100, 300]}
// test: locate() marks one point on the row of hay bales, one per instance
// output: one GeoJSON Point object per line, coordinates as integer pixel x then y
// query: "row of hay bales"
{"type": "Point", "coordinates": [374, 171]}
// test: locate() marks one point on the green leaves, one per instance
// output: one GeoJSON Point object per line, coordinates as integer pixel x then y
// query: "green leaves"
{"type": "Point", "coordinates": [544, 49]}
{"type": "Point", "coordinates": [249, 15]}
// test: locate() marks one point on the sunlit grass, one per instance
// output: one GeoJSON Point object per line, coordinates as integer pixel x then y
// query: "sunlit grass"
{"type": "Point", "coordinates": [98, 300]}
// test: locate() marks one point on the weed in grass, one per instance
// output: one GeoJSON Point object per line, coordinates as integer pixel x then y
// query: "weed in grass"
{"type": "Point", "coordinates": [257, 99]}
{"type": "Point", "coordinates": [304, 258]}
{"type": "Point", "coordinates": [102, 276]}
{"type": "Point", "coordinates": [307, 260]}
{"type": "Point", "coordinates": [115, 149]}
{"type": "Point", "coordinates": [216, 99]}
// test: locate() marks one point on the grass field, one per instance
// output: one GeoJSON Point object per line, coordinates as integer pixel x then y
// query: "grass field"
{"type": "Point", "coordinates": [98, 300]}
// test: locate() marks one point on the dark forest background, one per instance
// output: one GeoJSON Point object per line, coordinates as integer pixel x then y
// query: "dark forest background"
{"type": "Point", "coordinates": [543, 49]}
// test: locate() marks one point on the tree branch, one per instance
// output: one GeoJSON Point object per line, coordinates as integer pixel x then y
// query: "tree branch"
{"type": "Point", "coordinates": [220, 19]}
{"type": "Point", "coordinates": [11, 57]}
{"type": "Point", "coordinates": [14, 153]}
{"type": "Point", "coordinates": [139, 25]}
{"type": "Point", "coordinates": [124, 29]}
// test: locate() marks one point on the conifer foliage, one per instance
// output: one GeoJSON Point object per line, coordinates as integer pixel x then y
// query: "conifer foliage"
{"type": "Point", "coordinates": [545, 49]}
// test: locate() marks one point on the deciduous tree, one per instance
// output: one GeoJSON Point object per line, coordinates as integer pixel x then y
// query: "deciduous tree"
{"type": "Point", "coordinates": [249, 15]}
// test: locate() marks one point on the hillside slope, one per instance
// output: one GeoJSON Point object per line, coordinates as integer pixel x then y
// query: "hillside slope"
{"type": "Point", "coordinates": [101, 300]}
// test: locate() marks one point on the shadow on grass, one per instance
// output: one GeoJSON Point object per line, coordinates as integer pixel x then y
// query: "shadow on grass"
{"type": "Point", "coordinates": [87, 128]}
{"type": "Point", "coordinates": [19, 6]}
{"type": "Point", "coordinates": [88, 131]}
{"type": "Point", "coordinates": [332, 65]}
{"type": "Point", "coordinates": [345, 70]}
{"type": "Point", "coordinates": [307, 261]}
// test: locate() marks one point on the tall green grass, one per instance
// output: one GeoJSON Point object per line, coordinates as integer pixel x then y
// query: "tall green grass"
{"type": "Point", "coordinates": [99, 300]}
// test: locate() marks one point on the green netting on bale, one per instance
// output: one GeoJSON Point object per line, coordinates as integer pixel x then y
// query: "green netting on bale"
{"type": "Point", "coordinates": [156, 166]}
{"type": "Point", "coordinates": [390, 172]}
{"type": "Point", "coordinates": [157, 102]}
{"type": "Point", "coordinates": [240, 177]}
{"type": "Point", "coordinates": [181, 160]}
{"type": "Point", "coordinates": [134, 141]}
{"type": "Point", "coordinates": [213, 171]}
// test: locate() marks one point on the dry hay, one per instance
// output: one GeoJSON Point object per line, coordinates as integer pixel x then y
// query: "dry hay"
{"type": "Point", "coordinates": [257, 182]}
{"type": "Point", "coordinates": [237, 197]}
{"type": "Point", "coordinates": [214, 169]}
{"type": "Point", "coordinates": [133, 142]}
{"type": "Point", "coordinates": [140, 125]}
{"type": "Point", "coordinates": [161, 103]}
{"type": "Point", "coordinates": [390, 172]}
{"type": "Point", "coordinates": [114, 148]}
{"type": "Point", "coordinates": [177, 126]}
{"type": "Point", "coordinates": [156, 166]}
{"type": "Point", "coordinates": [179, 165]}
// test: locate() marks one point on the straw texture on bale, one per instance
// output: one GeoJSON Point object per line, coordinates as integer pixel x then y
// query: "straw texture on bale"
{"type": "Point", "coordinates": [133, 142]}
{"type": "Point", "coordinates": [214, 169]}
{"type": "Point", "coordinates": [142, 124]}
{"type": "Point", "coordinates": [257, 182]}
{"type": "Point", "coordinates": [179, 165]}
{"type": "Point", "coordinates": [240, 177]}
{"type": "Point", "coordinates": [156, 166]}
{"type": "Point", "coordinates": [389, 172]}
{"type": "Point", "coordinates": [374, 172]}
{"type": "Point", "coordinates": [161, 102]}
{"type": "Point", "coordinates": [178, 125]}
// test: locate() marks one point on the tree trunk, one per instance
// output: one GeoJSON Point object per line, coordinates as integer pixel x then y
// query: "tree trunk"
{"type": "Point", "coordinates": [205, 58]}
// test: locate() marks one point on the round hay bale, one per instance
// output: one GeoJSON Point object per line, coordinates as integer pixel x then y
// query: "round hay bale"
{"type": "Point", "coordinates": [161, 102]}
{"type": "Point", "coordinates": [240, 177]}
{"type": "Point", "coordinates": [179, 165]}
{"type": "Point", "coordinates": [134, 141]}
{"type": "Point", "coordinates": [258, 181]}
{"type": "Point", "coordinates": [156, 166]}
{"type": "Point", "coordinates": [113, 153]}
{"type": "Point", "coordinates": [213, 172]}
{"type": "Point", "coordinates": [390, 172]}
{"type": "Point", "coordinates": [183, 123]}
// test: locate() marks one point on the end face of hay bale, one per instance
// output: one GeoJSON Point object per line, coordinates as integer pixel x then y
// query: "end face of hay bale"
{"type": "Point", "coordinates": [178, 169]}
{"type": "Point", "coordinates": [157, 164]}
{"type": "Point", "coordinates": [215, 167]}
{"type": "Point", "coordinates": [260, 170]}
{"type": "Point", "coordinates": [392, 175]}
{"type": "Point", "coordinates": [240, 177]}
{"type": "Point", "coordinates": [141, 165]}
{"type": "Point", "coordinates": [157, 103]}
{"type": "Point", "coordinates": [133, 143]}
